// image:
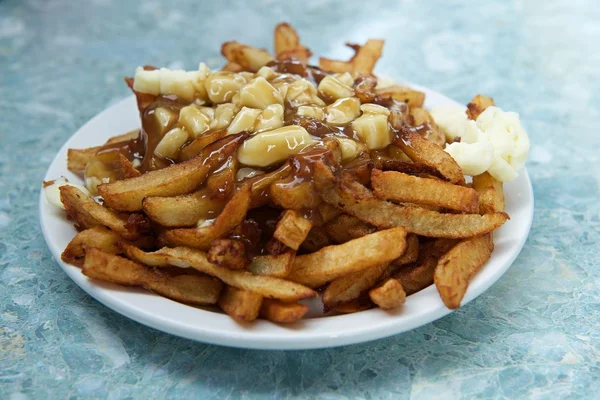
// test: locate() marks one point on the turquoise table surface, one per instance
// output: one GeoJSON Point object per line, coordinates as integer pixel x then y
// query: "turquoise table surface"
{"type": "Point", "coordinates": [534, 334]}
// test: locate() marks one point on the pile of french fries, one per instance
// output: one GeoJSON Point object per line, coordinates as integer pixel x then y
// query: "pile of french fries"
{"type": "Point", "coordinates": [359, 233]}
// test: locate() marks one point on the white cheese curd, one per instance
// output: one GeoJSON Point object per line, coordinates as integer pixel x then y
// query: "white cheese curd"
{"type": "Point", "coordinates": [496, 142]}
{"type": "Point", "coordinates": [52, 192]}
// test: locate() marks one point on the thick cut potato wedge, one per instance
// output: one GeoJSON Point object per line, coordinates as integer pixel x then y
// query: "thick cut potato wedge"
{"type": "Point", "coordinates": [317, 239]}
{"type": "Point", "coordinates": [332, 262]}
{"type": "Point", "coordinates": [418, 276]}
{"type": "Point", "coordinates": [183, 257]}
{"type": "Point", "coordinates": [77, 159]}
{"type": "Point", "coordinates": [413, 98]}
{"type": "Point", "coordinates": [194, 148]}
{"type": "Point", "coordinates": [192, 289]}
{"type": "Point", "coordinates": [352, 286]}
{"type": "Point", "coordinates": [455, 268]}
{"type": "Point", "coordinates": [248, 57]}
{"type": "Point", "coordinates": [299, 196]}
{"type": "Point", "coordinates": [282, 313]}
{"type": "Point", "coordinates": [363, 61]}
{"type": "Point", "coordinates": [287, 44]}
{"type": "Point", "coordinates": [240, 304]}
{"type": "Point", "coordinates": [357, 200]}
{"type": "Point", "coordinates": [127, 170]}
{"type": "Point", "coordinates": [232, 215]}
{"type": "Point", "coordinates": [358, 305]}
{"type": "Point", "coordinates": [128, 194]}
{"type": "Point", "coordinates": [411, 254]}
{"type": "Point", "coordinates": [292, 229]}
{"type": "Point", "coordinates": [388, 295]}
{"type": "Point", "coordinates": [184, 210]}
{"type": "Point", "coordinates": [491, 193]}
{"type": "Point", "coordinates": [400, 187]}
{"type": "Point", "coordinates": [278, 266]}
{"type": "Point", "coordinates": [228, 253]}
{"type": "Point", "coordinates": [411, 168]}
{"type": "Point", "coordinates": [347, 227]}
{"type": "Point", "coordinates": [261, 183]}
{"type": "Point", "coordinates": [421, 150]}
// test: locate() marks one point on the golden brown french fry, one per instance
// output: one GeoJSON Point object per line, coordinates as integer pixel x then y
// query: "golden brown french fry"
{"type": "Point", "coordinates": [127, 195]}
{"type": "Point", "coordinates": [127, 168]}
{"type": "Point", "coordinates": [193, 289]}
{"type": "Point", "coordinates": [350, 287]}
{"type": "Point", "coordinates": [125, 137]}
{"type": "Point", "coordinates": [228, 253]}
{"type": "Point", "coordinates": [98, 237]}
{"type": "Point", "coordinates": [316, 239]}
{"type": "Point", "coordinates": [361, 304]}
{"type": "Point", "coordinates": [221, 183]}
{"type": "Point", "coordinates": [328, 212]}
{"type": "Point", "coordinates": [423, 151]}
{"type": "Point", "coordinates": [77, 159]}
{"type": "Point", "coordinates": [294, 197]}
{"type": "Point", "coordinates": [411, 254]}
{"type": "Point", "coordinates": [282, 313]}
{"type": "Point", "coordinates": [388, 295]}
{"type": "Point", "coordinates": [491, 193]}
{"type": "Point", "coordinates": [455, 268]}
{"type": "Point", "coordinates": [400, 187]}
{"type": "Point", "coordinates": [184, 257]}
{"type": "Point", "coordinates": [232, 67]}
{"type": "Point", "coordinates": [347, 227]}
{"type": "Point", "coordinates": [420, 275]}
{"type": "Point", "coordinates": [421, 118]}
{"type": "Point", "coordinates": [413, 98]}
{"type": "Point", "coordinates": [410, 168]}
{"type": "Point", "coordinates": [292, 229]}
{"type": "Point", "coordinates": [261, 183]}
{"type": "Point", "coordinates": [357, 200]}
{"type": "Point", "coordinates": [184, 210]}
{"type": "Point", "coordinates": [194, 148]}
{"type": "Point", "coordinates": [87, 213]}
{"type": "Point", "coordinates": [332, 262]}
{"type": "Point", "coordinates": [286, 38]}
{"type": "Point", "coordinates": [278, 265]}
{"type": "Point", "coordinates": [232, 215]}
{"type": "Point", "coordinates": [478, 105]}
{"type": "Point", "coordinates": [363, 61]}
{"type": "Point", "coordinates": [248, 57]}
{"type": "Point", "coordinates": [240, 304]}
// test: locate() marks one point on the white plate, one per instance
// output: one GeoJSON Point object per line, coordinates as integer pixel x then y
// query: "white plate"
{"type": "Point", "coordinates": [316, 332]}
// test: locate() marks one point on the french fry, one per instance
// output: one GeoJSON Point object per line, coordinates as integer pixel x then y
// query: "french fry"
{"type": "Point", "coordinates": [240, 304]}
{"type": "Point", "coordinates": [261, 183]}
{"type": "Point", "coordinates": [328, 212]}
{"type": "Point", "coordinates": [420, 275]}
{"type": "Point", "coordinates": [358, 305]}
{"type": "Point", "coordinates": [357, 200]}
{"type": "Point", "coordinates": [184, 210]}
{"type": "Point", "coordinates": [184, 257]}
{"type": "Point", "coordinates": [411, 254]}
{"type": "Point", "coordinates": [228, 253]}
{"type": "Point", "coordinates": [192, 289]}
{"type": "Point", "coordinates": [77, 159]}
{"type": "Point", "coordinates": [294, 197]}
{"type": "Point", "coordinates": [232, 215]}
{"type": "Point", "coordinates": [127, 195]}
{"type": "Point", "coordinates": [287, 44]}
{"type": "Point", "coordinates": [400, 187]}
{"type": "Point", "coordinates": [411, 168]}
{"type": "Point", "coordinates": [362, 62]}
{"type": "Point", "coordinates": [491, 193]}
{"type": "Point", "coordinates": [356, 255]}
{"type": "Point", "coordinates": [232, 67]}
{"type": "Point", "coordinates": [423, 151]}
{"type": "Point", "coordinates": [455, 268]}
{"type": "Point", "coordinates": [282, 313]}
{"type": "Point", "coordinates": [292, 229]}
{"type": "Point", "coordinates": [347, 227]}
{"type": "Point", "coordinates": [127, 168]}
{"type": "Point", "coordinates": [350, 287]}
{"type": "Point", "coordinates": [420, 117]}
{"type": "Point", "coordinates": [98, 237]}
{"type": "Point", "coordinates": [125, 137]}
{"type": "Point", "coordinates": [221, 183]}
{"type": "Point", "coordinates": [316, 239]}
{"type": "Point", "coordinates": [195, 147]}
{"type": "Point", "coordinates": [278, 266]}
{"type": "Point", "coordinates": [413, 98]}
{"type": "Point", "coordinates": [248, 57]}
{"type": "Point", "coordinates": [388, 295]}
{"type": "Point", "coordinates": [478, 105]}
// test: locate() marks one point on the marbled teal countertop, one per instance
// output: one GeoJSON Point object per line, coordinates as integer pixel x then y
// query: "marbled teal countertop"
{"type": "Point", "coordinates": [534, 334]}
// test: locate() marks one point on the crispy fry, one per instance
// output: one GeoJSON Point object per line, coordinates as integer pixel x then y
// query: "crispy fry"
{"type": "Point", "coordinates": [362, 62]}
{"type": "Point", "coordinates": [228, 253]}
{"type": "Point", "coordinates": [292, 229]}
{"type": "Point", "coordinates": [420, 275]}
{"type": "Point", "coordinates": [240, 304]}
{"type": "Point", "coordinates": [356, 255]}
{"type": "Point", "coordinates": [420, 117]}
{"type": "Point", "coordinates": [411, 168]}
{"type": "Point", "coordinates": [357, 200]}
{"type": "Point", "coordinates": [361, 304]}
{"type": "Point", "coordinates": [77, 159]}
{"type": "Point", "coordinates": [491, 193]}
{"type": "Point", "coordinates": [328, 212]}
{"type": "Point", "coordinates": [194, 148]}
{"type": "Point", "coordinates": [177, 179]}
{"type": "Point", "coordinates": [98, 237]}
{"type": "Point", "coordinates": [261, 183]}
{"type": "Point", "coordinates": [248, 57]}
{"type": "Point", "coordinates": [423, 151]}
{"type": "Point", "coordinates": [400, 187]}
{"type": "Point", "coordinates": [125, 137]}
{"type": "Point", "coordinates": [411, 254]}
{"type": "Point", "coordinates": [413, 98]}
{"type": "Point", "coordinates": [347, 227]}
{"type": "Point", "coordinates": [287, 44]}
{"type": "Point", "coordinates": [232, 215]}
{"type": "Point", "coordinates": [294, 197]}
{"type": "Point", "coordinates": [266, 286]}
{"type": "Point", "coordinates": [457, 266]}
{"type": "Point", "coordinates": [350, 287]}
{"type": "Point", "coordinates": [478, 105]}
{"type": "Point", "coordinates": [184, 210]}
{"type": "Point", "coordinates": [282, 313]}
{"type": "Point", "coordinates": [316, 239]}
{"type": "Point", "coordinates": [388, 295]}
{"type": "Point", "coordinates": [221, 183]}
{"type": "Point", "coordinates": [127, 168]}
{"type": "Point", "coordinates": [278, 265]}
{"type": "Point", "coordinates": [193, 289]}
{"type": "Point", "coordinates": [232, 67]}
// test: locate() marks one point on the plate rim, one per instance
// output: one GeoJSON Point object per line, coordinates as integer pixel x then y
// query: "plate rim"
{"type": "Point", "coordinates": [240, 338]}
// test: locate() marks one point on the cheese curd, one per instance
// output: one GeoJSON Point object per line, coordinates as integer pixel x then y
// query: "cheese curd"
{"type": "Point", "coordinates": [496, 142]}
{"type": "Point", "coordinates": [52, 191]}
{"type": "Point", "coordinates": [187, 85]}
{"type": "Point", "coordinates": [275, 146]}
